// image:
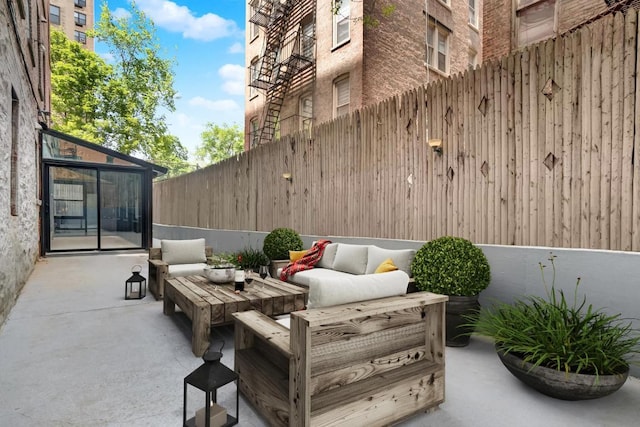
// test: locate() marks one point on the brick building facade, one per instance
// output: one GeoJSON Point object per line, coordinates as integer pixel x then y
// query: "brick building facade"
{"type": "Point", "coordinates": [510, 25]}
{"type": "Point", "coordinates": [352, 65]}
{"type": "Point", "coordinates": [74, 18]}
{"type": "Point", "coordinates": [24, 103]}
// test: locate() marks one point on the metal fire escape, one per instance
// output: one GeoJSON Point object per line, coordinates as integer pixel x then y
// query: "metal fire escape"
{"type": "Point", "coordinates": [284, 54]}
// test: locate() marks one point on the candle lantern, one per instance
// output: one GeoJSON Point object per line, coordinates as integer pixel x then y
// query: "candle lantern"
{"type": "Point", "coordinates": [209, 377]}
{"type": "Point", "coordinates": [136, 286]}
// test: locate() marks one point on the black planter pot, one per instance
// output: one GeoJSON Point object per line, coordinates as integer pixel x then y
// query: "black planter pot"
{"type": "Point", "coordinates": [559, 384]}
{"type": "Point", "coordinates": [457, 307]}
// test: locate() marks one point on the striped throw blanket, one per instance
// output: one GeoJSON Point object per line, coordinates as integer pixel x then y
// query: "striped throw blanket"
{"type": "Point", "coordinates": [307, 262]}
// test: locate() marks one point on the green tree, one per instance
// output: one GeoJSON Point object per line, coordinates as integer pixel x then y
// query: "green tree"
{"type": "Point", "coordinates": [77, 78]}
{"type": "Point", "coordinates": [141, 85]}
{"type": "Point", "coordinates": [220, 142]}
{"type": "Point", "coordinates": [117, 104]}
{"type": "Point", "coordinates": [169, 153]}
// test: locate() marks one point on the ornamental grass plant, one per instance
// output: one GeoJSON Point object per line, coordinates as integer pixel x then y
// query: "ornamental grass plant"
{"type": "Point", "coordinates": [551, 332]}
{"type": "Point", "coordinates": [251, 258]}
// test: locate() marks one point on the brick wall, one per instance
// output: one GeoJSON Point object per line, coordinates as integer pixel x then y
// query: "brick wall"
{"type": "Point", "coordinates": [496, 30]}
{"type": "Point", "coordinates": [499, 21]}
{"type": "Point", "coordinates": [19, 235]}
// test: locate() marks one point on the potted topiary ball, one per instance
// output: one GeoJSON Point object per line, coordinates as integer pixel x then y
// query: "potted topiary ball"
{"type": "Point", "coordinates": [277, 245]}
{"type": "Point", "coordinates": [453, 266]}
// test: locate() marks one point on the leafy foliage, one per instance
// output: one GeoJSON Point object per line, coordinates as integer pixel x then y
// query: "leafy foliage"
{"type": "Point", "coordinates": [117, 104]}
{"type": "Point", "coordinates": [451, 266]}
{"type": "Point", "coordinates": [141, 84]}
{"type": "Point", "coordinates": [251, 258]}
{"type": "Point", "coordinates": [551, 333]}
{"type": "Point", "coordinates": [77, 80]}
{"type": "Point", "coordinates": [220, 142]}
{"type": "Point", "coordinates": [223, 260]}
{"type": "Point", "coordinates": [280, 241]}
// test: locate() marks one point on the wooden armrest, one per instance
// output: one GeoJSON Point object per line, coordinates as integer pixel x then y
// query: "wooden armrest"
{"type": "Point", "coordinates": [158, 263]}
{"type": "Point", "coordinates": [265, 328]}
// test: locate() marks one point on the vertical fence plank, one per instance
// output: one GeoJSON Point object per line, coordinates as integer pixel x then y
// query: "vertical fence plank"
{"type": "Point", "coordinates": [372, 173]}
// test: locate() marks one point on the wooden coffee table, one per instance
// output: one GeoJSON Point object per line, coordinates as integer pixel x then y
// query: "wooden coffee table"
{"type": "Point", "coordinates": [208, 304]}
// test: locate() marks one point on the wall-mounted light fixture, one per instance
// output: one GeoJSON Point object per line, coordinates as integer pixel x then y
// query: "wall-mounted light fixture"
{"type": "Point", "coordinates": [287, 176]}
{"type": "Point", "coordinates": [436, 145]}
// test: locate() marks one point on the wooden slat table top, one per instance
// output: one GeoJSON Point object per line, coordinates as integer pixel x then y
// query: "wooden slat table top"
{"type": "Point", "coordinates": [219, 296]}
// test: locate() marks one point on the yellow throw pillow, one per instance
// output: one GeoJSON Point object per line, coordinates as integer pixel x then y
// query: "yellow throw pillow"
{"type": "Point", "coordinates": [387, 265]}
{"type": "Point", "coordinates": [296, 255]}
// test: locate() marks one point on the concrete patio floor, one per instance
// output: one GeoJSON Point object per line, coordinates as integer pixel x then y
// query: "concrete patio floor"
{"type": "Point", "coordinates": [74, 352]}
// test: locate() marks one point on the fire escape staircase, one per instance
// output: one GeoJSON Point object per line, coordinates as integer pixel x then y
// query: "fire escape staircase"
{"type": "Point", "coordinates": [284, 55]}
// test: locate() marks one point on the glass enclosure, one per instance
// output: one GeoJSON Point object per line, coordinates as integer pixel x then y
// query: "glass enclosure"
{"type": "Point", "coordinates": [94, 198]}
{"type": "Point", "coordinates": [73, 208]}
{"type": "Point", "coordinates": [94, 209]}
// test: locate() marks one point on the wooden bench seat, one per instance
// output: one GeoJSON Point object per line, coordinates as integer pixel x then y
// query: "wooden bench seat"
{"type": "Point", "coordinates": [374, 362]}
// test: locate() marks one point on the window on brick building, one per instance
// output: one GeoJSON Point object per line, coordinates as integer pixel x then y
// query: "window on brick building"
{"type": "Point", "coordinates": [253, 135]}
{"type": "Point", "coordinates": [473, 59]}
{"type": "Point", "coordinates": [341, 96]}
{"type": "Point", "coordinates": [473, 13]}
{"type": "Point", "coordinates": [54, 14]}
{"type": "Point", "coordinates": [253, 29]}
{"type": "Point", "coordinates": [15, 120]}
{"type": "Point", "coordinates": [438, 47]}
{"type": "Point", "coordinates": [80, 37]}
{"type": "Point", "coordinates": [341, 23]}
{"type": "Point", "coordinates": [80, 19]}
{"type": "Point", "coordinates": [80, 3]}
{"type": "Point", "coordinates": [306, 111]}
{"type": "Point", "coordinates": [308, 41]}
{"type": "Point", "coordinates": [254, 71]}
{"type": "Point", "coordinates": [535, 21]}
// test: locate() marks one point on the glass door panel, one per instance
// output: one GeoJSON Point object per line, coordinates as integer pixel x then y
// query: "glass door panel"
{"type": "Point", "coordinates": [120, 210]}
{"type": "Point", "coordinates": [72, 208]}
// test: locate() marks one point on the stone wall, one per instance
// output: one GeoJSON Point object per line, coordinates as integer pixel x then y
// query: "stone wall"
{"type": "Point", "coordinates": [19, 235]}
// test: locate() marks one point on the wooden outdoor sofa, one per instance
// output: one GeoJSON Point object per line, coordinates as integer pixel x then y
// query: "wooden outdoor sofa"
{"type": "Point", "coordinates": [369, 363]}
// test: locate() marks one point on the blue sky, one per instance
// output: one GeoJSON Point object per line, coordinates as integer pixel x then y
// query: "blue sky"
{"type": "Point", "coordinates": [206, 38]}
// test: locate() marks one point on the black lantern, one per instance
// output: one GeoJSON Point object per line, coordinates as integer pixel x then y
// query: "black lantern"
{"type": "Point", "coordinates": [136, 286]}
{"type": "Point", "coordinates": [209, 377]}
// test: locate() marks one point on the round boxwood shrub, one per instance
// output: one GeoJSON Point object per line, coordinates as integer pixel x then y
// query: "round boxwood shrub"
{"type": "Point", "coordinates": [451, 266]}
{"type": "Point", "coordinates": [280, 241]}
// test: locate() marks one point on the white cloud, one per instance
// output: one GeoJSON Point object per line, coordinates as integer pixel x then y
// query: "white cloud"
{"type": "Point", "coordinates": [180, 19]}
{"type": "Point", "coordinates": [236, 48]}
{"type": "Point", "coordinates": [233, 79]}
{"type": "Point", "coordinates": [121, 13]}
{"type": "Point", "coordinates": [108, 57]}
{"type": "Point", "coordinates": [220, 105]}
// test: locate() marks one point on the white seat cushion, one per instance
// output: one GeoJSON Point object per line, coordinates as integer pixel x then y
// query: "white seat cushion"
{"type": "Point", "coordinates": [183, 251]}
{"type": "Point", "coordinates": [303, 278]}
{"type": "Point", "coordinates": [353, 288]}
{"type": "Point", "coordinates": [181, 270]}
{"type": "Point", "coordinates": [402, 258]}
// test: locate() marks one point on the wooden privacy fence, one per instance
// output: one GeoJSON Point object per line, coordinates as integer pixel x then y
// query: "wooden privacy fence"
{"type": "Point", "coordinates": [538, 149]}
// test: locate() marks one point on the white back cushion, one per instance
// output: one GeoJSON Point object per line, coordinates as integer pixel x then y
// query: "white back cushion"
{"type": "Point", "coordinates": [351, 258]}
{"type": "Point", "coordinates": [402, 258]}
{"type": "Point", "coordinates": [183, 251]}
{"type": "Point", "coordinates": [328, 256]}
{"type": "Point", "coordinates": [343, 290]}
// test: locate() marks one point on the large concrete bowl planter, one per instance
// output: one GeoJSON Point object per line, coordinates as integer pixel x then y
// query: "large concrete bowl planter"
{"type": "Point", "coordinates": [560, 384]}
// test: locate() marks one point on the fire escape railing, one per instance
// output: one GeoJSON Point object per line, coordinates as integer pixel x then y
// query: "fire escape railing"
{"type": "Point", "coordinates": [284, 55]}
